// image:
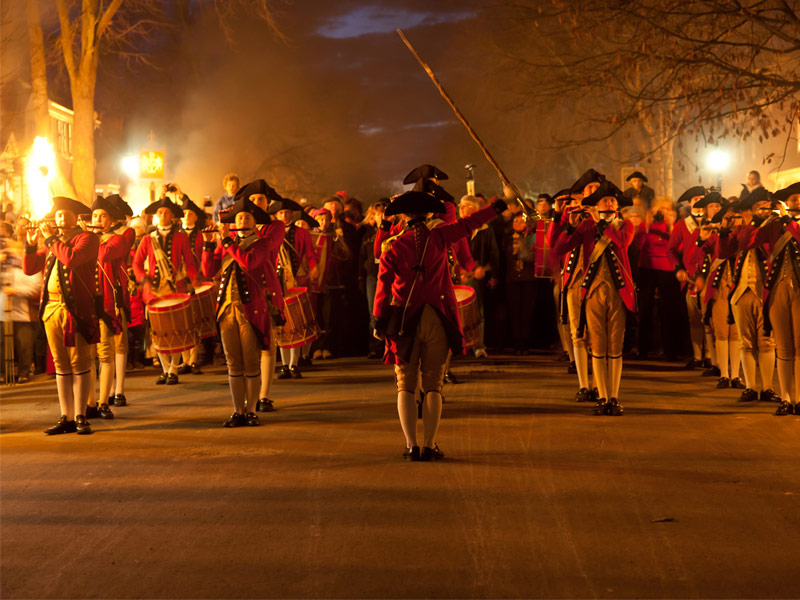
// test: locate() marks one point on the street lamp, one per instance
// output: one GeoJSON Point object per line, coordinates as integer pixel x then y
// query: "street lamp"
{"type": "Point", "coordinates": [718, 160]}
{"type": "Point", "coordinates": [130, 166]}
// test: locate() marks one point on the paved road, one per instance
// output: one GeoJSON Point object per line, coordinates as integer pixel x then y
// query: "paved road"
{"type": "Point", "coordinates": [690, 494]}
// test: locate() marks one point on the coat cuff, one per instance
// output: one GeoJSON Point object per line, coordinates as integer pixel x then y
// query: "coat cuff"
{"type": "Point", "coordinates": [209, 246]}
{"type": "Point", "coordinates": [227, 242]}
{"type": "Point", "coordinates": [49, 241]}
{"type": "Point", "coordinates": [31, 249]}
{"type": "Point", "coordinates": [386, 226]}
{"type": "Point", "coordinates": [499, 206]}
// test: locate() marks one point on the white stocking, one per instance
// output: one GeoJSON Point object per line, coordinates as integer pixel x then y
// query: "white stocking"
{"type": "Point", "coordinates": [600, 375]}
{"type": "Point", "coordinates": [735, 351]}
{"type": "Point", "coordinates": [294, 357]}
{"type": "Point", "coordinates": [614, 376]}
{"type": "Point", "coordinates": [285, 356]}
{"type": "Point", "coordinates": [749, 368]}
{"type": "Point", "coordinates": [267, 371]}
{"type": "Point", "coordinates": [252, 384]}
{"type": "Point", "coordinates": [106, 379]}
{"type": "Point", "coordinates": [582, 365]}
{"type": "Point", "coordinates": [710, 348]}
{"type": "Point", "coordinates": [236, 383]}
{"type": "Point", "coordinates": [91, 397]}
{"type": "Point", "coordinates": [722, 358]}
{"type": "Point", "coordinates": [80, 392]}
{"type": "Point", "coordinates": [65, 402]}
{"type": "Point", "coordinates": [785, 376]}
{"type": "Point", "coordinates": [407, 410]}
{"type": "Point", "coordinates": [766, 364]}
{"type": "Point", "coordinates": [121, 361]}
{"type": "Point", "coordinates": [431, 417]}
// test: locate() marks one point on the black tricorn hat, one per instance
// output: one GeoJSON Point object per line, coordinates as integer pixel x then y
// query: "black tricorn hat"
{"type": "Point", "coordinates": [561, 193]}
{"type": "Point", "coordinates": [425, 172]}
{"type": "Point", "coordinates": [283, 204]}
{"type": "Point", "coordinates": [165, 202]}
{"type": "Point", "coordinates": [692, 192]}
{"type": "Point", "coordinates": [428, 187]}
{"type": "Point", "coordinates": [258, 186]}
{"type": "Point", "coordinates": [606, 189]}
{"type": "Point", "coordinates": [107, 205]}
{"type": "Point", "coordinates": [787, 192]}
{"type": "Point", "coordinates": [64, 203]}
{"type": "Point", "coordinates": [312, 222]}
{"type": "Point", "coordinates": [189, 205]}
{"type": "Point", "coordinates": [710, 198]}
{"type": "Point", "coordinates": [123, 209]}
{"type": "Point", "coordinates": [414, 203]}
{"type": "Point", "coordinates": [245, 205]}
{"type": "Point", "coordinates": [637, 174]}
{"type": "Point", "coordinates": [757, 195]}
{"type": "Point", "coordinates": [590, 176]}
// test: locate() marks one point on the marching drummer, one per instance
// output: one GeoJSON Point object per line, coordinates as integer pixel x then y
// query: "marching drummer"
{"type": "Point", "coordinates": [416, 313]}
{"type": "Point", "coordinates": [192, 222]}
{"type": "Point", "coordinates": [242, 311]}
{"type": "Point", "coordinates": [169, 269]}
{"type": "Point", "coordinates": [259, 192]}
{"type": "Point", "coordinates": [297, 266]}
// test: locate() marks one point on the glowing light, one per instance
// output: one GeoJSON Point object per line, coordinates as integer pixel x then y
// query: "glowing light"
{"type": "Point", "coordinates": [130, 166]}
{"type": "Point", "coordinates": [718, 160]}
{"type": "Point", "coordinates": [38, 175]}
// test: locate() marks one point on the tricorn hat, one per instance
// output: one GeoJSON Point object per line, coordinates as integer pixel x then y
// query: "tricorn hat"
{"type": "Point", "coordinates": [562, 193]}
{"type": "Point", "coordinates": [64, 203]}
{"type": "Point", "coordinates": [245, 205]}
{"type": "Point", "coordinates": [787, 192]}
{"type": "Point", "coordinates": [710, 198]}
{"type": "Point", "coordinates": [425, 172]}
{"type": "Point", "coordinates": [259, 186]}
{"type": "Point", "coordinates": [606, 189]}
{"type": "Point", "coordinates": [312, 222]}
{"type": "Point", "coordinates": [165, 202]}
{"type": "Point", "coordinates": [283, 204]}
{"type": "Point", "coordinates": [413, 203]}
{"type": "Point", "coordinates": [123, 209]}
{"type": "Point", "coordinates": [188, 205]}
{"type": "Point", "coordinates": [428, 187]}
{"type": "Point", "coordinates": [757, 195]}
{"type": "Point", "coordinates": [109, 206]}
{"type": "Point", "coordinates": [636, 174]}
{"type": "Point", "coordinates": [692, 192]}
{"type": "Point", "coordinates": [590, 176]}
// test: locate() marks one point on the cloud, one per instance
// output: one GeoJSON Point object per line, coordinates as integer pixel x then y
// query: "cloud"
{"type": "Point", "coordinates": [372, 19]}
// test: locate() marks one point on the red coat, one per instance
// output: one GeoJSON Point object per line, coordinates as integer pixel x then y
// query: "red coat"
{"type": "Point", "coordinates": [682, 249]}
{"type": "Point", "coordinates": [768, 235]}
{"type": "Point", "coordinates": [274, 234]}
{"type": "Point", "coordinates": [181, 255]}
{"type": "Point", "coordinates": [248, 266]}
{"type": "Point", "coordinates": [620, 236]}
{"type": "Point", "coordinates": [397, 272]}
{"type": "Point", "coordinates": [564, 255]}
{"type": "Point", "coordinates": [112, 257]}
{"type": "Point", "coordinates": [76, 262]}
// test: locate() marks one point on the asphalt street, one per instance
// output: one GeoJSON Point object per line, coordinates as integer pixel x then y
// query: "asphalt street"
{"type": "Point", "coordinates": [690, 494]}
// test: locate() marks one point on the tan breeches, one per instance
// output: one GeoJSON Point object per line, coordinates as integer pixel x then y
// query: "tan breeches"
{"type": "Point", "coordinates": [723, 331]}
{"type": "Point", "coordinates": [67, 360]}
{"type": "Point", "coordinates": [111, 344]}
{"type": "Point", "coordinates": [695, 315]}
{"type": "Point", "coordinates": [747, 313]}
{"type": "Point", "coordinates": [428, 356]}
{"type": "Point", "coordinates": [240, 343]}
{"type": "Point", "coordinates": [784, 315]}
{"type": "Point", "coordinates": [605, 321]}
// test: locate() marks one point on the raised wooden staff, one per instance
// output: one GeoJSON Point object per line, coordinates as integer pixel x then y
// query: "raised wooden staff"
{"type": "Point", "coordinates": [529, 213]}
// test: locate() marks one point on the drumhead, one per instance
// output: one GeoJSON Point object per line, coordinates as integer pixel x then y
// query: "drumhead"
{"type": "Point", "coordinates": [203, 287]}
{"type": "Point", "coordinates": [169, 301]}
{"type": "Point", "coordinates": [292, 294]}
{"type": "Point", "coordinates": [463, 293]}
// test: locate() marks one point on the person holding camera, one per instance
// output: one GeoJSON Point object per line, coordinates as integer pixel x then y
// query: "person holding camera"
{"type": "Point", "coordinates": [656, 276]}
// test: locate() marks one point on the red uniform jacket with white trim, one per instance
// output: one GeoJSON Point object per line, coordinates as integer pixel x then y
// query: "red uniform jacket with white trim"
{"type": "Point", "coordinates": [176, 246]}
{"type": "Point", "coordinates": [112, 257]}
{"type": "Point", "coordinates": [682, 250]}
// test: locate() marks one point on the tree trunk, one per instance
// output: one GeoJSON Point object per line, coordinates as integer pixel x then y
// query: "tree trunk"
{"type": "Point", "coordinates": [83, 161]}
{"type": "Point", "coordinates": [41, 109]}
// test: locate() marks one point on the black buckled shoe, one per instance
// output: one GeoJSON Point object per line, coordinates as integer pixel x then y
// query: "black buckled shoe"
{"type": "Point", "coordinates": [784, 408]}
{"type": "Point", "coordinates": [120, 400]}
{"type": "Point", "coordinates": [601, 408]}
{"type": "Point", "coordinates": [583, 395]}
{"type": "Point", "coordinates": [748, 395]}
{"type": "Point", "coordinates": [61, 426]}
{"type": "Point", "coordinates": [92, 412]}
{"type": "Point", "coordinates": [235, 420]}
{"type": "Point", "coordinates": [104, 412]}
{"type": "Point", "coordinates": [737, 383]}
{"type": "Point", "coordinates": [706, 363]}
{"type": "Point", "coordinates": [614, 408]}
{"type": "Point", "coordinates": [769, 396]}
{"type": "Point", "coordinates": [429, 454]}
{"type": "Point", "coordinates": [162, 379]}
{"type": "Point", "coordinates": [295, 373]}
{"type": "Point", "coordinates": [195, 369]}
{"type": "Point", "coordinates": [252, 419]}
{"type": "Point", "coordinates": [694, 363]}
{"type": "Point", "coordinates": [723, 383]}
{"type": "Point", "coordinates": [172, 379]}
{"type": "Point", "coordinates": [572, 369]}
{"type": "Point", "coordinates": [450, 377]}
{"type": "Point", "coordinates": [184, 369]}
{"type": "Point", "coordinates": [82, 426]}
{"type": "Point", "coordinates": [412, 454]}
{"type": "Point", "coordinates": [265, 405]}
{"type": "Point", "coordinates": [712, 371]}
{"type": "Point", "coordinates": [285, 373]}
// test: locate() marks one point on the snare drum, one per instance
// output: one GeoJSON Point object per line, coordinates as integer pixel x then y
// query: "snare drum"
{"type": "Point", "coordinates": [301, 327]}
{"type": "Point", "coordinates": [203, 310]}
{"type": "Point", "coordinates": [172, 323]}
{"type": "Point", "coordinates": [468, 315]}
